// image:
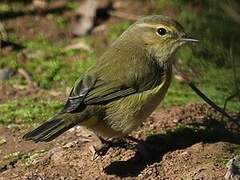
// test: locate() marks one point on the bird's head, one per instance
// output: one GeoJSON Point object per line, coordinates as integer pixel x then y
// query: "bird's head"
{"type": "Point", "coordinates": [160, 35]}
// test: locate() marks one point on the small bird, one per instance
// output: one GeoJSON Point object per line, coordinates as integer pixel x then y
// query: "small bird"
{"type": "Point", "coordinates": [126, 84]}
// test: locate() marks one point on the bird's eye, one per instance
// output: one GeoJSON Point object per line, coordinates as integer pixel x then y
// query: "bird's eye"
{"type": "Point", "coordinates": [161, 31]}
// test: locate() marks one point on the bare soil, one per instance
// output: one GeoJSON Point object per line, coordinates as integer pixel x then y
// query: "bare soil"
{"type": "Point", "coordinates": [198, 149]}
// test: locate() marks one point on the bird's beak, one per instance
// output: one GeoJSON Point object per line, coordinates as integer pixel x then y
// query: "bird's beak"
{"type": "Point", "coordinates": [186, 38]}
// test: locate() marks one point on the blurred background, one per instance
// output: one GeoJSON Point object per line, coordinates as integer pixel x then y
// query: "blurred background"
{"type": "Point", "coordinates": [46, 45]}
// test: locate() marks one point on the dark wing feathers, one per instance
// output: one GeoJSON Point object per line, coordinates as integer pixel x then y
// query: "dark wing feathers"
{"type": "Point", "coordinates": [89, 90]}
{"type": "Point", "coordinates": [78, 93]}
{"type": "Point", "coordinates": [110, 97]}
{"type": "Point", "coordinates": [38, 133]}
{"type": "Point", "coordinates": [107, 92]}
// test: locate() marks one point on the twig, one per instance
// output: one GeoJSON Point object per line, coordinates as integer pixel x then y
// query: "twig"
{"type": "Point", "coordinates": [26, 76]}
{"type": "Point", "coordinates": [205, 98]}
{"type": "Point", "coordinates": [229, 98]}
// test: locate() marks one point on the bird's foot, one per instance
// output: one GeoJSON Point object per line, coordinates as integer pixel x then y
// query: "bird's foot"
{"type": "Point", "coordinates": [104, 146]}
{"type": "Point", "coordinates": [99, 150]}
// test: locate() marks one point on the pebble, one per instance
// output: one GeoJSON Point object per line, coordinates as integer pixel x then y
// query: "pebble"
{"type": "Point", "coordinates": [87, 11]}
{"type": "Point", "coordinates": [233, 172]}
{"type": "Point", "coordinates": [2, 141]}
{"type": "Point", "coordinates": [6, 74]}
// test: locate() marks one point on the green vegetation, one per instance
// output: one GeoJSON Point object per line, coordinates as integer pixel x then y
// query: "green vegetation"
{"type": "Point", "coordinates": [52, 68]}
{"type": "Point", "coordinates": [13, 156]}
{"type": "Point", "coordinates": [27, 111]}
{"type": "Point", "coordinates": [31, 158]}
{"type": "Point", "coordinates": [116, 30]}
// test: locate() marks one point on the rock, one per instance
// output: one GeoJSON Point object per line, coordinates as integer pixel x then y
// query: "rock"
{"type": "Point", "coordinates": [78, 46]}
{"type": "Point", "coordinates": [39, 4]}
{"type": "Point", "coordinates": [2, 141]}
{"type": "Point", "coordinates": [6, 74]}
{"type": "Point", "coordinates": [86, 15]}
{"type": "Point", "coordinates": [233, 172]}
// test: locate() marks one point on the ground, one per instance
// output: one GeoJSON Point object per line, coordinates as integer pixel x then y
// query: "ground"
{"type": "Point", "coordinates": [183, 139]}
{"type": "Point", "coordinates": [198, 149]}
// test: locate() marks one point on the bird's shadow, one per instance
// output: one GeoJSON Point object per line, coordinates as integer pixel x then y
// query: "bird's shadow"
{"type": "Point", "coordinates": [210, 131]}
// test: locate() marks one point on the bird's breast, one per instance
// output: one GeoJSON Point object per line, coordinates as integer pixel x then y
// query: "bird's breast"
{"type": "Point", "coordinates": [126, 114]}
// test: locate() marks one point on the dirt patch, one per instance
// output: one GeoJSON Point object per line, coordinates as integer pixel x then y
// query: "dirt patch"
{"type": "Point", "coordinates": [193, 149]}
{"type": "Point", "coordinates": [8, 93]}
{"type": "Point", "coordinates": [21, 21]}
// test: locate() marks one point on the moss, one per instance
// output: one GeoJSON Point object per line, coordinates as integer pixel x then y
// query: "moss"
{"type": "Point", "coordinates": [13, 156]}
{"type": "Point", "coordinates": [27, 111]}
{"type": "Point", "coordinates": [31, 158]}
{"type": "Point", "coordinates": [220, 160]}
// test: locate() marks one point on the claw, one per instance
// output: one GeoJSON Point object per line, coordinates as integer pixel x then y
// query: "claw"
{"type": "Point", "coordinates": [102, 149]}
{"type": "Point", "coordinates": [94, 154]}
{"type": "Point", "coordinates": [99, 151]}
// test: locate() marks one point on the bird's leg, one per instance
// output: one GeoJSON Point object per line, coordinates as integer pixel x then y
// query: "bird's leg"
{"type": "Point", "coordinates": [104, 145]}
{"type": "Point", "coordinates": [100, 149]}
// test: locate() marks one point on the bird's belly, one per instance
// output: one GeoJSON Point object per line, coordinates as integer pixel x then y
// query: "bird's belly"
{"type": "Point", "coordinates": [103, 130]}
{"type": "Point", "coordinates": [126, 114]}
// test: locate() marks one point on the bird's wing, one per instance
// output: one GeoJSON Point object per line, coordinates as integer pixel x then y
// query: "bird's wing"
{"type": "Point", "coordinates": [90, 90]}
{"type": "Point", "coordinates": [78, 93]}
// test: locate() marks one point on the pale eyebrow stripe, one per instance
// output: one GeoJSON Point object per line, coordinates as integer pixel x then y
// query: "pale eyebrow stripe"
{"type": "Point", "coordinates": [147, 25]}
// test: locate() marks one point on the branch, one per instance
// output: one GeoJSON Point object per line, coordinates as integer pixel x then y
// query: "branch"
{"type": "Point", "coordinates": [205, 98]}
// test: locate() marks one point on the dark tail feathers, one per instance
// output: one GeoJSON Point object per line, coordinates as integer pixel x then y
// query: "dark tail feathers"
{"type": "Point", "coordinates": [48, 131]}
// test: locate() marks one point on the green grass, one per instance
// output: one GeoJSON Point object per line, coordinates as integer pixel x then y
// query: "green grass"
{"type": "Point", "coordinates": [32, 157]}
{"type": "Point", "coordinates": [27, 111]}
{"type": "Point", "coordinates": [117, 29]}
{"type": "Point", "coordinates": [62, 22]}
{"type": "Point", "coordinates": [214, 86]}
{"type": "Point", "coordinates": [72, 5]}
{"type": "Point", "coordinates": [51, 68]}
{"type": "Point", "coordinates": [13, 156]}
{"type": "Point", "coordinates": [47, 63]}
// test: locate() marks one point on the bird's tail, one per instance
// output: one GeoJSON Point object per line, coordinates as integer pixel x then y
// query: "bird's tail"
{"type": "Point", "coordinates": [50, 129]}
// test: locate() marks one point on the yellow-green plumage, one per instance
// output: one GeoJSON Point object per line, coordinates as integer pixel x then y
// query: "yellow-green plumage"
{"type": "Point", "coordinates": [126, 84]}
